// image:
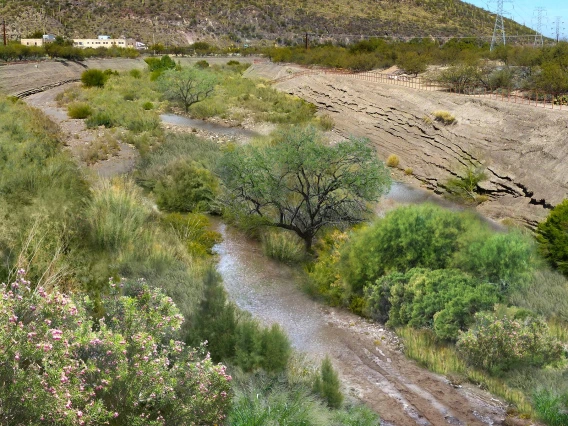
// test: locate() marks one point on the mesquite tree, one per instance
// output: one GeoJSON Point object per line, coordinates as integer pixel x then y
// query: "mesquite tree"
{"type": "Point", "coordinates": [301, 184]}
{"type": "Point", "coordinates": [187, 85]}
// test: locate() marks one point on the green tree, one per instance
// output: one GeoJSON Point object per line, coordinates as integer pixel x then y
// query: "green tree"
{"type": "Point", "coordinates": [327, 385]}
{"type": "Point", "coordinates": [302, 184]}
{"type": "Point", "coordinates": [187, 86]}
{"type": "Point", "coordinates": [413, 63]}
{"type": "Point", "coordinates": [552, 237]}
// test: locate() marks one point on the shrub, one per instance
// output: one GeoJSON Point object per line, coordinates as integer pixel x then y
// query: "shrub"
{"type": "Point", "coordinates": [283, 245]}
{"type": "Point", "coordinates": [135, 73]}
{"type": "Point", "coordinates": [444, 117]}
{"type": "Point", "coordinates": [393, 160]}
{"type": "Point", "coordinates": [504, 259]}
{"type": "Point", "coordinates": [443, 300]}
{"type": "Point", "coordinates": [501, 343]}
{"type": "Point", "coordinates": [79, 110]}
{"type": "Point", "coordinates": [233, 63]}
{"type": "Point", "coordinates": [93, 78]}
{"type": "Point", "coordinates": [327, 385]}
{"type": "Point", "coordinates": [202, 64]}
{"type": "Point", "coordinates": [100, 118]}
{"type": "Point", "coordinates": [116, 215]}
{"type": "Point", "coordinates": [186, 187]}
{"type": "Point", "coordinates": [147, 106]}
{"type": "Point", "coordinates": [194, 231]}
{"type": "Point", "coordinates": [324, 277]}
{"type": "Point", "coordinates": [552, 237]}
{"type": "Point", "coordinates": [408, 171]}
{"type": "Point", "coordinates": [58, 366]}
{"type": "Point", "coordinates": [465, 187]}
{"type": "Point", "coordinates": [326, 122]}
{"type": "Point", "coordinates": [406, 238]}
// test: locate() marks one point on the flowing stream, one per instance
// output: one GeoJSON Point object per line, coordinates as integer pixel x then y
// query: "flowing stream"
{"type": "Point", "coordinates": [207, 126]}
{"type": "Point", "coordinates": [366, 354]}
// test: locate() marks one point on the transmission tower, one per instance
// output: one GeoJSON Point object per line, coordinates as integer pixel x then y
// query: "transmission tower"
{"type": "Point", "coordinates": [559, 27]}
{"type": "Point", "coordinates": [499, 30]}
{"type": "Point", "coordinates": [540, 13]}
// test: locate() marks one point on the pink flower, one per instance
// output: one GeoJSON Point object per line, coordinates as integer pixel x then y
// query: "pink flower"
{"type": "Point", "coordinates": [79, 413]}
{"type": "Point", "coordinates": [115, 415]}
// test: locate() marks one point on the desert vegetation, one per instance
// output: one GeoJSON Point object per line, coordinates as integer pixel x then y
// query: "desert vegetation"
{"type": "Point", "coordinates": [441, 277]}
{"type": "Point", "coordinates": [116, 292]}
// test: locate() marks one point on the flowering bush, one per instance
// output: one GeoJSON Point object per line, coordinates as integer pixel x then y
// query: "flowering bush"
{"type": "Point", "coordinates": [501, 343]}
{"type": "Point", "coordinates": [58, 366]}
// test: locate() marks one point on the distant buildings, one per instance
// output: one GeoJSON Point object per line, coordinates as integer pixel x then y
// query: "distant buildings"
{"type": "Point", "coordinates": [46, 39]}
{"type": "Point", "coordinates": [100, 41]}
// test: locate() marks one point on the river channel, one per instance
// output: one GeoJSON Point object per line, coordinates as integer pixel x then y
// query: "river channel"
{"type": "Point", "coordinates": [367, 355]}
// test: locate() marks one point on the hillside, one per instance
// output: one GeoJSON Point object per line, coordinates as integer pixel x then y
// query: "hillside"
{"type": "Point", "coordinates": [248, 22]}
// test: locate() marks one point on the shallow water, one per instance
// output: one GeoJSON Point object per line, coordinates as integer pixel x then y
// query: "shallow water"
{"type": "Point", "coordinates": [179, 120]}
{"type": "Point", "coordinates": [270, 292]}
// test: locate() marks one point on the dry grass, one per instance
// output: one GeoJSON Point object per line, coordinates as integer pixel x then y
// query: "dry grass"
{"type": "Point", "coordinates": [444, 117]}
{"type": "Point", "coordinates": [393, 160]}
{"type": "Point", "coordinates": [100, 149]}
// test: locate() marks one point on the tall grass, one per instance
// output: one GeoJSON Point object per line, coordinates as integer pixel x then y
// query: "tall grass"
{"type": "Point", "coordinates": [283, 245]}
{"type": "Point", "coordinates": [117, 215]}
{"type": "Point", "coordinates": [442, 358]}
{"type": "Point", "coordinates": [176, 147]}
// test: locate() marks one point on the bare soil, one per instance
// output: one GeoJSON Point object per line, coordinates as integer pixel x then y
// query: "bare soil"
{"type": "Point", "coordinates": [78, 138]}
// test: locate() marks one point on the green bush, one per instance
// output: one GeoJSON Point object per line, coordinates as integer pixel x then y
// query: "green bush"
{"type": "Point", "coordinates": [193, 230]}
{"type": "Point", "coordinates": [186, 187]}
{"type": "Point", "coordinates": [202, 64]}
{"type": "Point", "coordinates": [135, 73]}
{"type": "Point", "coordinates": [324, 276]}
{"type": "Point", "coordinates": [327, 385]}
{"type": "Point", "coordinates": [406, 238]}
{"type": "Point", "coordinates": [147, 106]}
{"type": "Point", "coordinates": [94, 78]}
{"type": "Point", "coordinates": [116, 215]}
{"type": "Point", "coordinates": [443, 300]}
{"type": "Point", "coordinates": [504, 259]}
{"type": "Point", "coordinates": [500, 343]}
{"type": "Point", "coordinates": [552, 237]}
{"type": "Point", "coordinates": [79, 110]}
{"type": "Point", "coordinates": [100, 118]}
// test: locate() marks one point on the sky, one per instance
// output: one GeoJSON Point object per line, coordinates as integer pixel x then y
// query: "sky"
{"type": "Point", "coordinates": [523, 11]}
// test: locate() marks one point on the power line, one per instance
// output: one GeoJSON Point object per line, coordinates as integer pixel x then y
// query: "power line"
{"type": "Point", "coordinates": [540, 15]}
{"type": "Point", "coordinates": [499, 26]}
{"type": "Point", "coordinates": [559, 27]}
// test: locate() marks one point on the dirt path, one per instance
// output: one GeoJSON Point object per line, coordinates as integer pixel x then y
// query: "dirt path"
{"type": "Point", "coordinates": [78, 139]}
{"type": "Point", "coordinates": [367, 355]}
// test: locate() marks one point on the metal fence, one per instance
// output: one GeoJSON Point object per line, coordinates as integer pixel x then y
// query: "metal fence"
{"type": "Point", "coordinates": [533, 98]}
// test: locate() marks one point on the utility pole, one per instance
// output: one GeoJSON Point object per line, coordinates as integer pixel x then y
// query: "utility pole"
{"type": "Point", "coordinates": [307, 42]}
{"type": "Point", "coordinates": [499, 29]}
{"type": "Point", "coordinates": [4, 27]}
{"type": "Point", "coordinates": [559, 28]}
{"type": "Point", "coordinates": [540, 12]}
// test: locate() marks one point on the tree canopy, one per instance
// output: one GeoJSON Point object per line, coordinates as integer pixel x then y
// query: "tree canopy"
{"type": "Point", "coordinates": [187, 85]}
{"type": "Point", "coordinates": [301, 184]}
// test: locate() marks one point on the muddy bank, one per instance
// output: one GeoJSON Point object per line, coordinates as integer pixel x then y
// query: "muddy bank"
{"type": "Point", "coordinates": [522, 148]}
{"type": "Point", "coordinates": [366, 354]}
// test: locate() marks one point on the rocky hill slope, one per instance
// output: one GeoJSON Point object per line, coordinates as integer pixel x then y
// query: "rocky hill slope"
{"type": "Point", "coordinates": [248, 22]}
